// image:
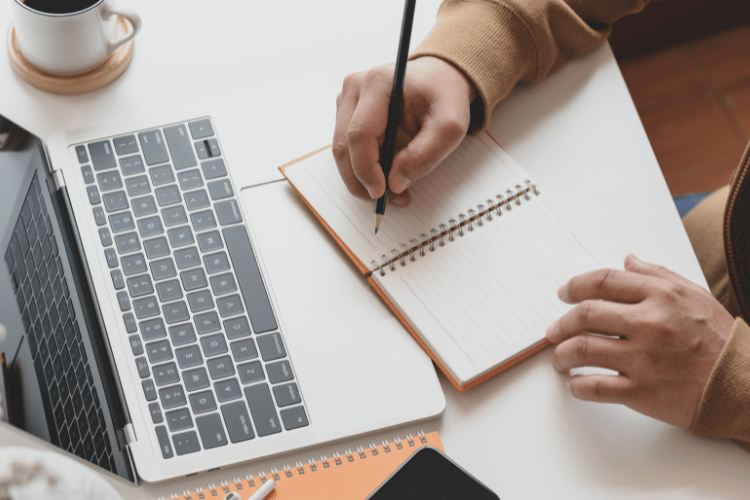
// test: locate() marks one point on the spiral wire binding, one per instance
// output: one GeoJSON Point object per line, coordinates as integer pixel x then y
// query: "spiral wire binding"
{"type": "Point", "coordinates": [361, 452]}
{"type": "Point", "coordinates": [454, 227]}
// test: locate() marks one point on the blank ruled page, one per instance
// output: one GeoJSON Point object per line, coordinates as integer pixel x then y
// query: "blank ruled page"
{"type": "Point", "coordinates": [477, 171]}
{"type": "Point", "coordinates": [489, 295]}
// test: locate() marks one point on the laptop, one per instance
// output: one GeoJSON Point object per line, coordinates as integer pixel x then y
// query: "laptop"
{"type": "Point", "coordinates": [164, 320]}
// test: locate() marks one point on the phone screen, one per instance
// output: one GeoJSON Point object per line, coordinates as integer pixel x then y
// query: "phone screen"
{"type": "Point", "coordinates": [430, 475]}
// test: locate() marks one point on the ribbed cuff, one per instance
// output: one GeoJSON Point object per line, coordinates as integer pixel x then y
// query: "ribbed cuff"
{"type": "Point", "coordinates": [724, 410]}
{"type": "Point", "coordinates": [489, 43]}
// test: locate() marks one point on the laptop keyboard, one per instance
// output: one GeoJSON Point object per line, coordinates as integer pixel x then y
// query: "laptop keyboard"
{"type": "Point", "coordinates": [204, 337]}
{"type": "Point", "coordinates": [54, 337]}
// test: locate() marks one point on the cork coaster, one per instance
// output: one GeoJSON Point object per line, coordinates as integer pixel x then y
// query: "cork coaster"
{"type": "Point", "coordinates": [95, 79]}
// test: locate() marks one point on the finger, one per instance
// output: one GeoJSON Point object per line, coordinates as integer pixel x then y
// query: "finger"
{"type": "Point", "coordinates": [436, 139]}
{"type": "Point", "coordinates": [635, 265]}
{"type": "Point", "coordinates": [605, 284]}
{"type": "Point", "coordinates": [592, 350]}
{"type": "Point", "coordinates": [601, 388]}
{"type": "Point", "coordinates": [367, 126]}
{"type": "Point", "coordinates": [346, 104]}
{"type": "Point", "coordinates": [592, 316]}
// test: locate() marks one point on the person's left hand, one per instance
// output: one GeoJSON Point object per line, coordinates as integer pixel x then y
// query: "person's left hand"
{"type": "Point", "coordinates": [659, 331]}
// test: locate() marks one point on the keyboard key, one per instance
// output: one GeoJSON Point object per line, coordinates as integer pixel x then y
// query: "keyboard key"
{"type": "Point", "coordinates": [124, 301]}
{"type": "Point", "coordinates": [168, 195]}
{"type": "Point", "coordinates": [236, 328]}
{"type": "Point", "coordinates": [250, 281]}
{"type": "Point", "coordinates": [102, 155]}
{"type": "Point", "coordinates": [180, 146]}
{"type": "Point", "coordinates": [195, 200]}
{"type": "Point", "coordinates": [220, 189]}
{"type": "Point", "coordinates": [213, 169]}
{"type": "Point", "coordinates": [136, 345]}
{"type": "Point", "coordinates": [262, 409]}
{"type": "Point", "coordinates": [152, 329]}
{"type": "Point", "coordinates": [207, 322]}
{"type": "Point", "coordinates": [143, 371]}
{"type": "Point", "coordinates": [181, 236]}
{"type": "Point", "coordinates": [229, 306]}
{"type": "Point", "coordinates": [213, 345]}
{"type": "Point", "coordinates": [228, 212]}
{"type": "Point", "coordinates": [112, 261]}
{"type": "Point", "coordinates": [144, 206]}
{"type": "Point", "coordinates": [200, 129]}
{"type": "Point", "coordinates": [149, 390]}
{"type": "Point", "coordinates": [122, 221]}
{"type": "Point", "coordinates": [150, 226]}
{"type": "Point", "coordinates": [190, 179]}
{"type": "Point", "coordinates": [179, 420]}
{"type": "Point", "coordinates": [155, 410]}
{"type": "Point", "coordinates": [125, 145]}
{"type": "Point", "coordinates": [140, 286]}
{"type": "Point", "coordinates": [99, 218]}
{"type": "Point", "coordinates": [186, 442]}
{"type": "Point", "coordinates": [161, 175]}
{"type": "Point", "coordinates": [200, 301]}
{"type": "Point", "coordinates": [210, 241]}
{"type": "Point", "coordinates": [201, 147]}
{"type": "Point", "coordinates": [237, 421]}
{"type": "Point", "coordinates": [193, 279]}
{"type": "Point", "coordinates": [88, 174]}
{"type": "Point", "coordinates": [137, 185]}
{"type": "Point", "coordinates": [223, 284]}
{"type": "Point", "coordinates": [152, 145]}
{"type": "Point", "coordinates": [127, 243]}
{"type": "Point", "coordinates": [104, 236]}
{"type": "Point", "coordinates": [174, 216]}
{"type": "Point", "coordinates": [227, 390]}
{"type": "Point", "coordinates": [172, 397]}
{"type": "Point", "coordinates": [157, 247]}
{"type": "Point", "coordinates": [195, 379]}
{"type": "Point", "coordinates": [130, 327]}
{"type": "Point", "coordinates": [271, 347]}
{"type": "Point", "coordinates": [189, 357]}
{"type": "Point", "coordinates": [93, 194]}
{"type": "Point", "coordinates": [169, 290]}
{"type": "Point", "coordinates": [280, 371]}
{"type": "Point", "coordinates": [202, 402]}
{"type": "Point", "coordinates": [166, 374]}
{"type": "Point", "coordinates": [216, 262]}
{"type": "Point", "coordinates": [211, 431]}
{"type": "Point", "coordinates": [81, 154]}
{"type": "Point", "coordinates": [182, 334]}
{"type": "Point", "coordinates": [294, 418]}
{"type": "Point", "coordinates": [146, 308]}
{"type": "Point", "coordinates": [162, 269]}
{"type": "Point", "coordinates": [244, 350]}
{"type": "Point", "coordinates": [187, 258]}
{"type": "Point", "coordinates": [203, 221]}
{"type": "Point", "coordinates": [213, 147]}
{"type": "Point", "coordinates": [109, 181]}
{"type": "Point", "coordinates": [134, 264]}
{"type": "Point", "coordinates": [175, 312]}
{"type": "Point", "coordinates": [132, 165]}
{"type": "Point", "coordinates": [116, 201]}
{"type": "Point", "coordinates": [287, 395]}
{"type": "Point", "coordinates": [220, 368]}
{"type": "Point", "coordinates": [164, 445]}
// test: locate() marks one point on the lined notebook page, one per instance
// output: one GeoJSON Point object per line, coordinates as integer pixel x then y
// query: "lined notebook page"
{"type": "Point", "coordinates": [489, 295]}
{"type": "Point", "coordinates": [478, 170]}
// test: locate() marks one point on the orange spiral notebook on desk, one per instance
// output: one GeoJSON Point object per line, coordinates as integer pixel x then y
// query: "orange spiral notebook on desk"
{"type": "Point", "coordinates": [471, 267]}
{"type": "Point", "coordinates": [351, 475]}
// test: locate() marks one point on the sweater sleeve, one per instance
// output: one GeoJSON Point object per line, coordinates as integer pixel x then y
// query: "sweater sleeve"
{"type": "Point", "coordinates": [724, 410]}
{"type": "Point", "coordinates": [499, 43]}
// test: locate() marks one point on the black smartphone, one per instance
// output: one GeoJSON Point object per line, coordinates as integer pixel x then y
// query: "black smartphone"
{"type": "Point", "coordinates": [430, 475]}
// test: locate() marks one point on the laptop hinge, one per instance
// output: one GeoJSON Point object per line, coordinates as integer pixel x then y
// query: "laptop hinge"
{"type": "Point", "coordinates": [57, 175]}
{"type": "Point", "coordinates": [130, 436]}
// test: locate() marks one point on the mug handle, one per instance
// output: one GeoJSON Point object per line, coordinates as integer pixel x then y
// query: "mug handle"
{"type": "Point", "coordinates": [129, 14]}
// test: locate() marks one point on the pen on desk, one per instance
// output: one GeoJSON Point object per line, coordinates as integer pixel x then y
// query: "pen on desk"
{"type": "Point", "coordinates": [388, 149]}
{"type": "Point", "coordinates": [264, 490]}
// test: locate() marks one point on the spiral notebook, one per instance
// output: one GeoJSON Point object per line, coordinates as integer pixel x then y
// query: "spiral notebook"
{"type": "Point", "coordinates": [351, 475]}
{"type": "Point", "coordinates": [471, 267]}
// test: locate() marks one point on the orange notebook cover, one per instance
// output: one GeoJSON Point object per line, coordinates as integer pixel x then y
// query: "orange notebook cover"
{"type": "Point", "coordinates": [351, 475]}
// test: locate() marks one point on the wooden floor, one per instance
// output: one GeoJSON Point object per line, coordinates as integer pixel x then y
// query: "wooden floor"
{"type": "Point", "coordinates": [694, 102]}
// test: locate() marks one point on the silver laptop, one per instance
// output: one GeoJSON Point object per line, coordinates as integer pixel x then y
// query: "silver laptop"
{"type": "Point", "coordinates": [163, 322]}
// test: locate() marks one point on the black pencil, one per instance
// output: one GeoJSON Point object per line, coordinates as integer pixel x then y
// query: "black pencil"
{"type": "Point", "coordinates": [388, 150]}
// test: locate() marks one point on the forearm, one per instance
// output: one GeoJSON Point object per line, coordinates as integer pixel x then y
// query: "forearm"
{"type": "Point", "coordinates": [499, 43]}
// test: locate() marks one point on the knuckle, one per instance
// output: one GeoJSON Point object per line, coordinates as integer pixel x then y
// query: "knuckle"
{"type": "Point", "coordinates": [583, 313]}
{"type": "Point", "coordinates": [340, 150]}
{"type": "Point", "coordinates": [454, 125]}
{"type": "Point", "coordinates": [582, 349]}
{"type": "Point", "coordinates": [352, 80]}
{"type": "Point", "coordinates": [604, 283]}
{"type": "Point", "coordinates": [356, 133]}
{"type": "Point", "coordinates": [378, 76]}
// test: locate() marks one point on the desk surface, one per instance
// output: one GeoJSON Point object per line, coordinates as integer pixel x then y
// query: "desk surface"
{"type": "Point", "coordinates": [578, 133]}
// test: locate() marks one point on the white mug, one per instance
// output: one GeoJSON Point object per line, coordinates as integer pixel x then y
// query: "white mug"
{"type": "Point", "coordinates": [71, 43]}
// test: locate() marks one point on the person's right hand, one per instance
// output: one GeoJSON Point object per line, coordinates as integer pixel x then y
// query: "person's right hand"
{"type": "Point", "coordinates": [434, 119]}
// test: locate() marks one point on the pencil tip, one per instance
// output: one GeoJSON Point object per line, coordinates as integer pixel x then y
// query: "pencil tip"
{"type": "Point", "coordinates": [378, 219]}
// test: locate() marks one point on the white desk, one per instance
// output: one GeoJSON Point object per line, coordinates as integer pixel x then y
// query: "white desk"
{"type": "Point", "coordinates": [578, 133]}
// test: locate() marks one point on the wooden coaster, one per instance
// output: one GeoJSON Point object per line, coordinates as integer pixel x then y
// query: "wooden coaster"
{"type": "Point", "coordinates": [95, 79]}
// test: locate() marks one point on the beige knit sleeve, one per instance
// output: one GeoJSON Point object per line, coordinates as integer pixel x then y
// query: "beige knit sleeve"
{"type": "Point", "coordinates": [498, 43]}
{"type": "Point", "coordinates": [724, 410]}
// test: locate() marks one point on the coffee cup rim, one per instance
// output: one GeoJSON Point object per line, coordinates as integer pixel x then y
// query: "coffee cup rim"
{"type": "Point", "coordinates": [67, 14]}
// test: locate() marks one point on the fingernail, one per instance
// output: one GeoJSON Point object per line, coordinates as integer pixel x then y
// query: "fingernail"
{"type": "Point", "coordinates": [562, 292]}
{"type": "Point", "coordinates": [373, 194]}
{"type": "Point", "coordinates": [399, 202]}
{"type": "Point", "coordinates": [550, 330]}
{"type": "Point", "coordinates": [399, 183]}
